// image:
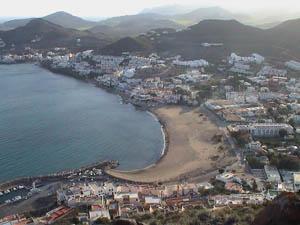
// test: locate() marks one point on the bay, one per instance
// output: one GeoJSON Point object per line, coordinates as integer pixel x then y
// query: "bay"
{"type": "Point", "coordinates": [50, 122]}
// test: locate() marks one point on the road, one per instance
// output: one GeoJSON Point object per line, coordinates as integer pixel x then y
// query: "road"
{"type": "Point", "coordinates": [32, 202]}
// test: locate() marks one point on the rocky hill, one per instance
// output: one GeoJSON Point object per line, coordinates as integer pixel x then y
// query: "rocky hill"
{"type": "Point", "coordinates": [284, 210]}
{"type": "Point", "coordinates": [40, 33]}
{"type": "Point", "coordinates": [282, 41]}
{"type": "Point", "coordinates": [60, 18]}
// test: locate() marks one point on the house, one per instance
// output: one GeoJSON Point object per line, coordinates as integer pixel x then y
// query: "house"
{"type": "Point", "coordinates": [269, 71]}
{"type": "Point", "coordinates": [254, 58]}
{"type": "Point", "coordinates": [293, 65]}
{"type": "Point", "coordinates": [269, 96]}
{"type": "Point", "coordinates": [98, 211]}
{"type": "Point", "coordinates": [192, 63]}
{"type": "Point", "coordinates": [2, 43]}
{"type": "Point", "coordinates": [224, 177]}
{"type": "Point", "coordinates": [241, 69]}
{"type": "Point", "coordinates": [127, 198]}
{"type": "Point", "coordinates": [236, 97]}
{"type": "Point", "coordinates": [296, 180]}
{"type": "Point", "coordinates": [234, 187]}
{"type": "Point", "coordinates": [269, 130]}
{"type": "Point", "coordinates": [254, 146]}
{"type": "Point", "coordinates": [272, 174]}
{"type": "Point", "coordinates": [152, 200]}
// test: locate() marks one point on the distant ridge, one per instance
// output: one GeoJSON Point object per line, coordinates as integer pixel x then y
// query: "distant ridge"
{"type": "Point", "coordinates": [60, 18]}
{"type": "Point", "coordinates": [133, 25]}
{"type": "Point", "coordinates": [169, 10]}
{"type": "Point", "coordinates": [44, 34]}
{"type": "Point", "coordinates": [69, 21]}
{"type": "Point", "coordinates": [200, 14]}
{"type": "Point", "coordinates": [127, 44]}
{"type": "Point", "coordinates": [281, 41]}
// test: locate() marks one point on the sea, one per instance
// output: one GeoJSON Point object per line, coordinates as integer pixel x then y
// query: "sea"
{"type": "Point", "coordinates": [51, 122]}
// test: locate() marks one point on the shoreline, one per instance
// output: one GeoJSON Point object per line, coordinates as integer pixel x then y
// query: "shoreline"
{"type": "Point", "coordinates": [123, 99]}
{"type": "Point", "coordinates": [164, 133]}
{"type": "Point", "coordinates": [61, 175]}
{"type": "Point", "coordinates": [189, 153]}
{"type": "Point", "coordinates": [164, 151]}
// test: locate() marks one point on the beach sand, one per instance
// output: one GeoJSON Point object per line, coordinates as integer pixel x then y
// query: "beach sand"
{"type": "Point", "coordinates": [190, 151]}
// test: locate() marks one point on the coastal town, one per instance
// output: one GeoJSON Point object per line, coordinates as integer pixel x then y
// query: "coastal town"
{"type": "Point", "coordinates": [247, 105]}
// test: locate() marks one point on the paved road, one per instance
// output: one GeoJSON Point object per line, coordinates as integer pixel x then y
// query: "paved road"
{"type": "Point", "coordinates": [28, 205]}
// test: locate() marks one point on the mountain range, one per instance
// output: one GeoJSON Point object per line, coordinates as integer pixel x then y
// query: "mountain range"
{"type": "Point", "coordinates": [149, 32]}
{"type": "Point", "coordinates": [133, 25]}
{"type": "Point", "coordinates": [60, 18]}
{"type": "Point", "coordinates": [174, 16]}
{"type": "Point", "coordinates": [282, 41]}
{"type": "Point", "coordinates": [40, 33]}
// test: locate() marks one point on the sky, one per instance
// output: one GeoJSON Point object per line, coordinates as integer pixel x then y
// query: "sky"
{"type": "Point", "coordinates": [109, 8]}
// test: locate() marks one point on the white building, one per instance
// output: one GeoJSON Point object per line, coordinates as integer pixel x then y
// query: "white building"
{"type": "Point", "coordinates": [270, 96]}
{"type": "Point", "coordinates": [293, 65]}
{"type": "Point", "coordinates": [207, 45]}
{"type": "Point", "coordinates": [151, 200]}
{"type": "Point", "coordinates": [236, 97]}
{"type": "Point", "coordinates": [254, 58]}
{"type": "Point", "coordinates": [296, 179]}
{"type": "Point", "coordinates": [129, 73]}
{"type": "Point", "coordinates": [270, 71]}
{"type": "Point", "coordinates": [2, 43]}
{"type": "Point", "coordinates": [224, 177]}
{"type": "Point", "coordinates": [241, 68]}
{"type": "Point", "coordinates": [272, 174]}
{"type": "Point", "coordinates": [254, 146]}
{"type": "Point", "coordinates": [127, 198]}
{"type": "Point", "coordinates": [266, 129]}
{"type": "Point", "coordinates": [99, 213]}
{"type": "Point", "coordinates": [192, 63]}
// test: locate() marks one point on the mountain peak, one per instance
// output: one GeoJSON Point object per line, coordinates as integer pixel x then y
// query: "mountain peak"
{"type": "Point", "coordinates": [59, 14]}
{"type": "Point", "coordinates": [68, 20]}
{"type": "Point", "coordinates": [39, 23]}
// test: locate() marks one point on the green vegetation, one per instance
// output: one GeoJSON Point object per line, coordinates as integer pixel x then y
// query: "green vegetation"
{"type": "Point", "coordinates": [286, 162]}
{"type": "Point", "coordinates": [201, 216]}
{"type": "Point", "coordinates": [254, 163]}
{"type": "Point", "coordinates": [205, 91]}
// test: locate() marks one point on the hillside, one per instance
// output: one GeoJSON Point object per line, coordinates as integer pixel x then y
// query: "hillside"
{"type": "Point", "coordinates": [128, 44]}
{"type": "Point", "coordinates": [69, 21]}
{"type": "Point", "coordinates": [169, 10]}
{"type": "Point", "coordinates": [288, 30]}
{"type": "Point", "coordinates": [43, 34]}
{"type": "Point", "coordinates": [280, 41]}
{"type": "Point", "coordinates": [119, 27]}
{"type": "Point", "coordinates": [284, 210]}
{"type": "Point", "coordinates": [286, 37]}
{"type": "Point", "coordinates": [12, 24]}
{"type": "Point", "coordinates": [200, 14]}
{"type": "Point", "coordinates": [234, 35]}
{"type": "Point", "coordinates": [60, 18]}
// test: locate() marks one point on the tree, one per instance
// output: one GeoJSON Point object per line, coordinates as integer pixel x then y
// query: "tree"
{"type": "Point", "coordinates": [254, 185]}
{"type": "Point", "coordinates": [292, 122]}
{"type": "Point", "coordinates": [203, 192]}
{"type": "Point", "coordinates": [283, 133]}
{"type": "Point", "coordinates": [102, 220]}
{"type": "Point", "coordinates": [221, 171]}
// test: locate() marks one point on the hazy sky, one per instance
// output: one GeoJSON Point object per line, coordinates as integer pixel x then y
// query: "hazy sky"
{"type": "Point", "coordinates": [106, 8]}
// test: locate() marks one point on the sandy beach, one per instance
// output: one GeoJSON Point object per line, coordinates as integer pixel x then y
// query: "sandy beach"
{"type": "Point", "coordinates": [191, 150]}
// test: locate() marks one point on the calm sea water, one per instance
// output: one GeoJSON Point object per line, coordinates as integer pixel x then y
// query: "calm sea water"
{"type": "Point", "coordinates": [50, 122]}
